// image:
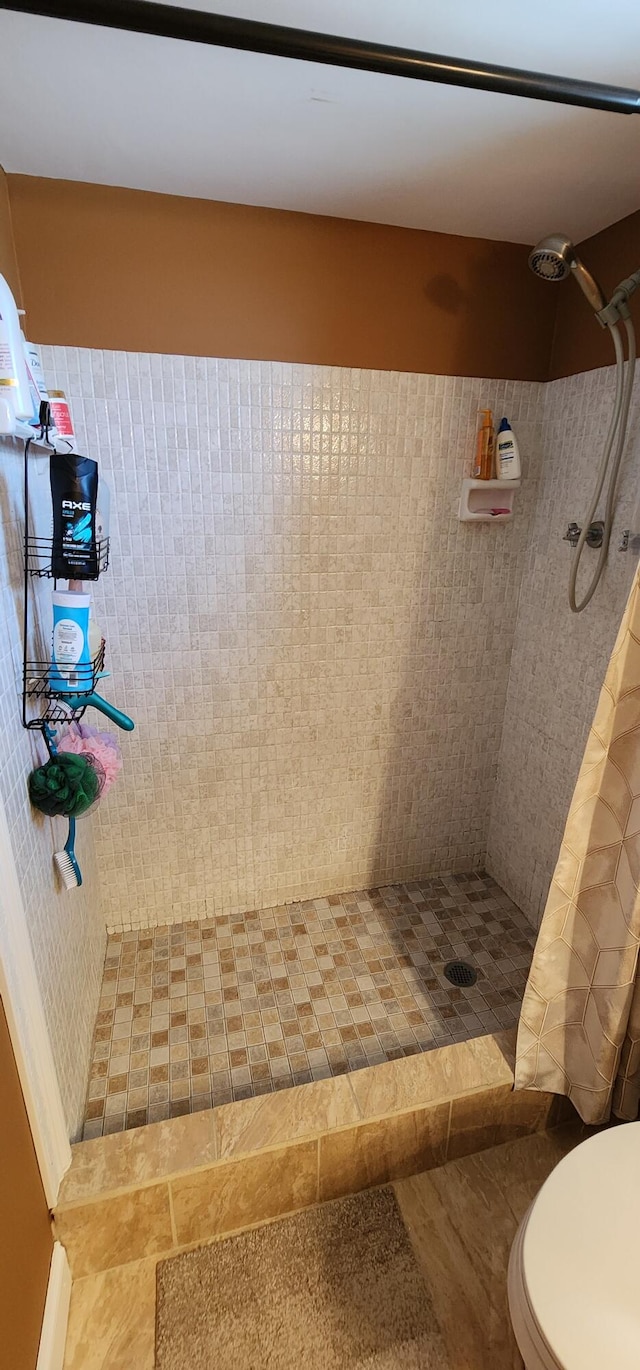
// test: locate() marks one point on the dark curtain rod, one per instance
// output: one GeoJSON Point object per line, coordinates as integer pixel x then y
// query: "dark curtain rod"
{"type": "Point", "coordinates": [249, 35]}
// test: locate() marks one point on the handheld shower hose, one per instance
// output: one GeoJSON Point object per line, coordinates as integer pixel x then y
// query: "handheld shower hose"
{"type": "Point", "coordinates": [554, 259]}
{"type": "Point", "coordinates": [610, 465]}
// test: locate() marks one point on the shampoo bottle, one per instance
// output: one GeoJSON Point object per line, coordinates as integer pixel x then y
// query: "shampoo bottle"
{"type": "Point", "coordinates": [13, 370]}
{"type": "Point", "coordinates": [507, 454]}
{"type": "Point", "coordinates": [483, 467]}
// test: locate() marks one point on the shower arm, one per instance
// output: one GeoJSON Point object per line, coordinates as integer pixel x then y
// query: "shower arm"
{"type": "Point", "coordinates": [250, 35]}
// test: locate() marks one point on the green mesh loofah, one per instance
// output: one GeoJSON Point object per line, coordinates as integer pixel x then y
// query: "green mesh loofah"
{"type": "Point", "coordinates": [67, 784]}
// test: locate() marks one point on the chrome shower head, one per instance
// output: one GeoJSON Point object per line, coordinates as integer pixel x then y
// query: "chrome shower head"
{"type": "Point", "coordinates": [552, 257]}
{"type": "Point", "coordinates": [555, 257]}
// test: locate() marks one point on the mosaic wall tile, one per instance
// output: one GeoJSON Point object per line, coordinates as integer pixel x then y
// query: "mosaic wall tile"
{"type": "Point", "coordinates": [198, 1014]}
{"type": "Point", "coordinates": [314, 649]}
{"type": "Point", "coordinates": [559, 658]}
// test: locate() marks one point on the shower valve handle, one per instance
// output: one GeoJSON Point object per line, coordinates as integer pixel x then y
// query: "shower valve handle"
{"type": "Point", "coordinates": [594, 536]}
{"type": "Point", "coordinates": [572, 534]}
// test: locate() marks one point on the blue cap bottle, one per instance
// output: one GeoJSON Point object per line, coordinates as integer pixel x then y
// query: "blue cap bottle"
{"type": "Point", "coordinates": [507, 453]}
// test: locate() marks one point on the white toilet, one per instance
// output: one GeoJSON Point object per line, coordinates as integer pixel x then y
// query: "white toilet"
{"type": "Point", "coordinates": [574, 1271]}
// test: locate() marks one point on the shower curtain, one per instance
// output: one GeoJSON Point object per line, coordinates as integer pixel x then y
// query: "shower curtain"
{"type": "Point", "coordinates": [579, 1031]}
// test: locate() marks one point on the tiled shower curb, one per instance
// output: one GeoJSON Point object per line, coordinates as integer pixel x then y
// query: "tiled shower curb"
{"type": "Point", "coordinates": [160, 1189]}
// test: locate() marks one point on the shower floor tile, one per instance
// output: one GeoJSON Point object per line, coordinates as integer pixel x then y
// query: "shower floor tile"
{"type": "Point", "coordinates": [199, 1014]}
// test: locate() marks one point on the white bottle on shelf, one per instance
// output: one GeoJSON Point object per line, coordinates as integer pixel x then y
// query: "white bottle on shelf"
{"type": "Point", "coordinates": [14, 381]}
{"type": "Point", "coordinates": [507, 453]}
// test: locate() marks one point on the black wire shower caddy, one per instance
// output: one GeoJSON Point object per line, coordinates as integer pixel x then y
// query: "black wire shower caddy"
{"type": "Point", "coordinates": [39, 677]}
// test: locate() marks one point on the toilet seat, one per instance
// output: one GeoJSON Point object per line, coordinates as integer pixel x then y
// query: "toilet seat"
{"type": "Point", "coordinates": [574, 1272]}
{"type": "Point", "coordinates": [535, 1352]}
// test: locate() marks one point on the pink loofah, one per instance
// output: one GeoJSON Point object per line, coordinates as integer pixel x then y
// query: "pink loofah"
{"type": "Point", "coordinates": [83, 739]}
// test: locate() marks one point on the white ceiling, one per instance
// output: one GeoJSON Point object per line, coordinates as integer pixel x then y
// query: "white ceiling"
{"type": "Point", "coordinates": [93, 104]}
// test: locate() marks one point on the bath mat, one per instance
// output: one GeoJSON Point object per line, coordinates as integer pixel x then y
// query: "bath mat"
{"type": "Point", "coordinates": [333, 1288]}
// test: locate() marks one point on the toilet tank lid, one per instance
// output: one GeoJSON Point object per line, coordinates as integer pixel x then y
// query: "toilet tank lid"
{"type": "Point", "coordinates": [581, 1253]}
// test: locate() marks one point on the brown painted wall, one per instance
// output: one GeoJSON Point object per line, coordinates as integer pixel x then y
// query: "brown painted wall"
{"type": "Point", "coordinates": [130, 270]}
{"type": "Point", "coordinates": [580, 344]}
{"type": "Point", "coordinates": [27, 1243]}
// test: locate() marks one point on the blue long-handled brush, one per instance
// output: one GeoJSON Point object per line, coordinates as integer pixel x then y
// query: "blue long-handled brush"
{"type": "Point", "coordinates": [66, 864]}
{"type": "Point", "coordinates": [65, 861]}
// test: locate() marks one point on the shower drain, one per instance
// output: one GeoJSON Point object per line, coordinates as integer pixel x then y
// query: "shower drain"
{"type": "Point", "coordinates": [460, 973]}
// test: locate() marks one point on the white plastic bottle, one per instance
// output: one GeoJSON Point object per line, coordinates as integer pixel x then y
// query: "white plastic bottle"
{"type": "Point", "coordinates": [507, 453]}
{"type": "Point", "coordinates": [35, 374]}
{"type": "Point", "coordinates": [13, 369]}
{"type": "Point", "coordinates": [70, 669]}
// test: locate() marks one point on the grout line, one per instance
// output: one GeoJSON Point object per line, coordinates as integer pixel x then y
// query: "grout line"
{"type": "Point", "coordinates": [446, 1150]}
{"type": "Point", "coordinates": [354, 1096]}
{"type": "Point", "coordinates": [174, 1230]}
{"type": "Point", "coordinates": [217, 1140]}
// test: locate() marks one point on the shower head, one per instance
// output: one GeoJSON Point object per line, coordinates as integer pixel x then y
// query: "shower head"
{"type": "Point", "coordinates": [555, 257]}
{"type": "Point", "coordinates": [552, 257]}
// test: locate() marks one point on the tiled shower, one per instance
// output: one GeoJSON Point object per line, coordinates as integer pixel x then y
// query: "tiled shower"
{"type": "Point", "coordinates": [349, 707]}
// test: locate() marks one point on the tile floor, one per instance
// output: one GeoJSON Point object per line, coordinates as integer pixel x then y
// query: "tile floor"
{"type": "Point", "coordinates": [198, 1014]}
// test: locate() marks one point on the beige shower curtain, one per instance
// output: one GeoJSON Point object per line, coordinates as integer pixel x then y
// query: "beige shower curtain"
{"type": "Point", "coordinates": [579, 1031]}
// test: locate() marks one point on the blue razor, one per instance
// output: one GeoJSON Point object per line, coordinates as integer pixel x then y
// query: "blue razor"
{"type": "Point", "coordinates": [95, 701]}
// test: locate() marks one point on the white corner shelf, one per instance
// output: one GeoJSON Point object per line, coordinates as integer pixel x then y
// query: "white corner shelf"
{"type": "Point", "coordinates": [479, 497]}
